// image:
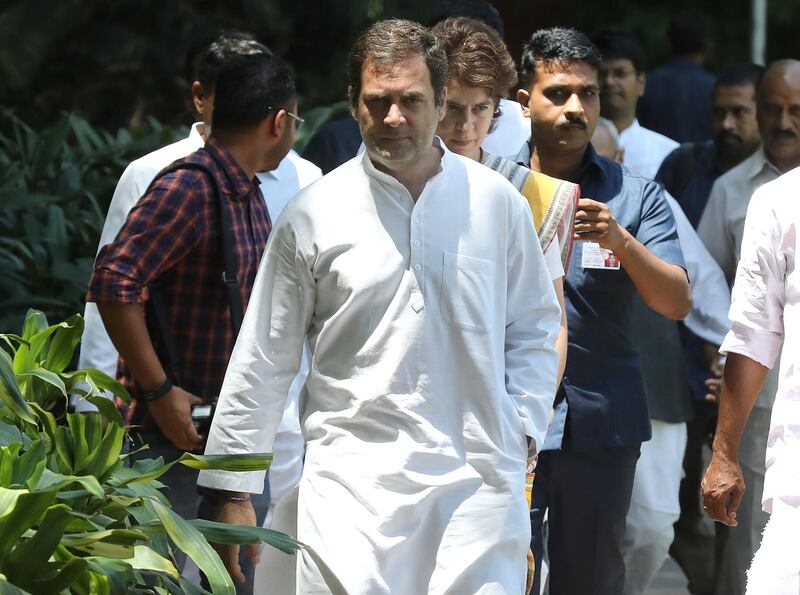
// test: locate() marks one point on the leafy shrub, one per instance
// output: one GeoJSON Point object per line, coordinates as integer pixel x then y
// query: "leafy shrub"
{"type": "Point", "coordinates": [55, 186]}
{"type": "Point", "coordinates": [73, 517]}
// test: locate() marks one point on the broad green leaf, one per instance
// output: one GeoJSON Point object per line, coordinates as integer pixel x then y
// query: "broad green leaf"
{"type": "Point", "coordinates": [238, 534]}
{"type": "Point", "coordinates": [146, 559]}
{"type": "Point", "coordinates": [48, 377]}
{"type": "Point", "coordinates": [30, 466]}
{"type": "Point", "coordinates": [240, 462]}
{"type": "Point", "coordinates": [110, 576]}
{"type": "Point", "coordinates": [63, 344]}
{"type": "Point", "coordinates": [191, 541]}
{"type": "Point", "coordinates": [56, 481]}
{"type": "Point", "coordinates": [10, 433]}
{"type": "Point", "coordinates": [50, 143]}
{"type": "Point", "coordinates": [30, 555]}
{"type": "Point", "coordinates": [106, 454]}
{"type": "Point", "coordinates": [35, 324]}
{"type": "Point", "coordinates": [9, 390]}
{"type": "Point", "coordinates": [107, 409]}
{"type": "Point", "coordinates": [57, 576]}
{"type": "Point", "coordinates": [19, 510]}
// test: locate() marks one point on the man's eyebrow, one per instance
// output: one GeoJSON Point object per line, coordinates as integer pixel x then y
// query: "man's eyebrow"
{"type": "Point", "coordinates": [413, 95]}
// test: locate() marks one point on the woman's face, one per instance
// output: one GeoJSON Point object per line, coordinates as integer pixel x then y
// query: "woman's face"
{"type": "Point", "coordinates": [467, 120]}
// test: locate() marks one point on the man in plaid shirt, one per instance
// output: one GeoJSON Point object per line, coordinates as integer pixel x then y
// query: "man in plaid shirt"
{"type": "Point", "coordinates": [173, 235]}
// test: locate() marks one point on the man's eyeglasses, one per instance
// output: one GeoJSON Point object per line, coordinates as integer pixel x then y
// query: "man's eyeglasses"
{"type": "Point", "coordinates": [298, 121]}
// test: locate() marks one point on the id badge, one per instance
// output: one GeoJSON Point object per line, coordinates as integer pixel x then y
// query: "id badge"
{"type": "Point", "coordinates": [594, 256]}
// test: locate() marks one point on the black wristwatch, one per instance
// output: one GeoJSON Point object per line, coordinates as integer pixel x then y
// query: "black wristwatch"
{"type": "Point", "coordinates": [158, 392]}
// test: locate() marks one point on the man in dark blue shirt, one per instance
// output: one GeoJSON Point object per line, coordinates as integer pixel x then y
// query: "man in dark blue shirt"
{"type": "Point", "coordinates": [627, 243]}
{"type": "Point", "coordinates": [690, 170]}
{"type": "Point", "coordinates": [677, 99]}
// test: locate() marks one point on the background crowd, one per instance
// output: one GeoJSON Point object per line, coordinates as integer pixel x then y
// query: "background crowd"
{"type": "Point", "coordinates": [699, 140]}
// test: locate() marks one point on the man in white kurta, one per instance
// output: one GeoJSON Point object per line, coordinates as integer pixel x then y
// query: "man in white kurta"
{"type": "Point", "coordinates": [764, 312]}
{"type": "Point", "coordinates": [432, 322]}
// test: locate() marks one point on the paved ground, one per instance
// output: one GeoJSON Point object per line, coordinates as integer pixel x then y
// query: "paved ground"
{"type": "Point", "coordinates": [670, 580]}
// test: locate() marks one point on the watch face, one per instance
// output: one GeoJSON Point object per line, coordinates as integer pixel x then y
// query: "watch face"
{"type": "Point", "coordinates": [201, 411]}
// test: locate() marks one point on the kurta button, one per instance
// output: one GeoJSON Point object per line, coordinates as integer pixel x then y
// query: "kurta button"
{"type": "Point", "coordinates": [416, 243]}
{"type": "Point", "coordinates": [417, 267]}
{"type": "Point", "coordinates": [415, 220]}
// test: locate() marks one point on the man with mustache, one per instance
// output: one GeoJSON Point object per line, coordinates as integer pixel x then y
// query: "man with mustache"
{"type": "Point", "coordinates": [722, 229]}
{"type": "Point", "coordinates": [628, 243]}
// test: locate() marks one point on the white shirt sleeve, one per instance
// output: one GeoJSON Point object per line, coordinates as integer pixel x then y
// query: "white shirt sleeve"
{"type": "Point", "coordinates": [713, 230]}
{"type": "Point", "coordinates": [552, 257]}
{"type": "Point", "coordinates": [265, 359]}
{"type": "Point", "coordinates": [758, 295]}
{"type": "Point", "coordinates": [710, 295]}
{"type": "Point", "coordinates": [533, 318]}
{"type": "Point", "coordinates": [97, 350]}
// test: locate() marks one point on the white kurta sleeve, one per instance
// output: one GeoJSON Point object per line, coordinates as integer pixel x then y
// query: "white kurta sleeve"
{"type": "Point", "coordinates": [758, 294]}
{"type": "Point", "coordinates": [265, 359]}
{"type": "Point", "coordinates": [711, 297]}
{"type": "Point", "coordinates": [533, 317]}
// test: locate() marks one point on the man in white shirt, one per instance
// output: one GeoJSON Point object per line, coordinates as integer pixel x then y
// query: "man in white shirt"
{"type": "Point", "coordinates": [722, 228]}
{"type": "Point", "coordinates": [622, 83]}
{"type": "Point", "coordinates": [763, 315]}
{"type": "Point", "coordinates": [278, 186]}
{"type": "Point", "coordinates": [418, 278]}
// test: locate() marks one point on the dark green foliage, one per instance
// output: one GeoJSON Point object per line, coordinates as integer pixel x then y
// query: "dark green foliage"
{"type": "Point", "coordinates": [55, 186]}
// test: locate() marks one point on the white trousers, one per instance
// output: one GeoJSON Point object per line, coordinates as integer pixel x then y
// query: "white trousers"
{"type": "Point", "coordinates": [776, 566]}
{"type": "Point", "coordinates": [654, 505]}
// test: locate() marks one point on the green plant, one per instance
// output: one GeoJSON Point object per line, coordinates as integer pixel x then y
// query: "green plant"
{"type": "Point", "coordinates": [73, 517]}
{"type": "Point", "coordinates": [55, 185]}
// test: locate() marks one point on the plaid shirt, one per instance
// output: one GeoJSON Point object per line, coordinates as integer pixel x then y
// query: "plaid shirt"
{"type": "Point", "coordinates": [173, 235]}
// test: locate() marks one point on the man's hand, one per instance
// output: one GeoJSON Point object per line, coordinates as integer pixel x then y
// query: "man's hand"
{"type": "Point", "coordinates": [594, 222]}
{"type": "Point", "coordinates": [237, 513]}
{"type": "Point", "coordinates": [173, 414]}
{"type": "Point", "coordinates": [722, 487]}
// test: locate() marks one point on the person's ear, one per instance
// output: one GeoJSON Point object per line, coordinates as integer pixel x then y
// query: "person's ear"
{"type": "Point", "coordinates": [442, 107]}
{"type": "Point", "coordinates": [642, 82]}
{"type": "Point", "coordinates": [198, 97]}
{"type": "Point", "coordinates": [351, 102]}
{"type": "Point", "coordinates": [280, 121]}
{"type": "Point", "coordinates": [524, 99]}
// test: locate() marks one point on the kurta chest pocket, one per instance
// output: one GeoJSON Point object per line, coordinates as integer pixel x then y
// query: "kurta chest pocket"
{"type": "Point", "coordinates": [466, 291]}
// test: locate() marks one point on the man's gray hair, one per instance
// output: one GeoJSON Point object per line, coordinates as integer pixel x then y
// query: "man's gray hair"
{"type": "Point", "coordinates": [611, 128]}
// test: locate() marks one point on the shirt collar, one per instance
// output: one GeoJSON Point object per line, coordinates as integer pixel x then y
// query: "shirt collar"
{"type": "Point", "coordinates": [373, 172]}
{"type": "Point", "coordinates": [591, 160]}
{"type": "Point", "coordinates": [759, 163]}
{"type": "Point", "coordinates": [239, 185]}
{"type": "Point", "coordinates": [194, 134]}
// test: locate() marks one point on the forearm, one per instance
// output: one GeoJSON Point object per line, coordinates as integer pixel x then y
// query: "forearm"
{"type": "Point", "coordinates": [741, 381]}
{"type": "Point", "coordinates": [663, 286]}
{"type": "Point", "coordinates": [127, 328]}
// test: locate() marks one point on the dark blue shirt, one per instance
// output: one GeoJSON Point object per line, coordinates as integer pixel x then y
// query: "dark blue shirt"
{"type": "Point", "coordinates": [677, 101]}
{"type": "Point", "coordinates": [334, 143]}
{"type": "Point", "coordinates": [688, 173]}
{"type": "Point", "coordinates": [601, 402]}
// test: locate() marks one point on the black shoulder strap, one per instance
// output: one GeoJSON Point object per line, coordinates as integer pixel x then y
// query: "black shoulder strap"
{"type": "Point", "coordinates": [159, 306]}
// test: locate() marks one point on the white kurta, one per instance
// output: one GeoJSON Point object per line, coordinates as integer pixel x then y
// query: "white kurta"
{"type": "Point", "coordinates": [432, 327]}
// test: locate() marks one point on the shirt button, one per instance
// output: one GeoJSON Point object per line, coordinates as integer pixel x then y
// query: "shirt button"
{"type": "Point", "coordinates": [415, 220]}
{"type": "Point", "coordinates": [416, 243]}
{"type": "Point", "coordinates": [417, 267]}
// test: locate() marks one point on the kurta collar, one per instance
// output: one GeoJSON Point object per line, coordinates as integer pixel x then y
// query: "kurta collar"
{"type": "Point", "coordinates": [373, 172]}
